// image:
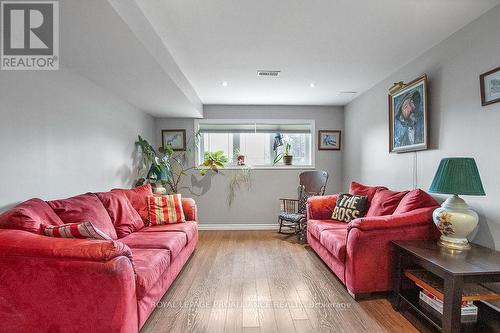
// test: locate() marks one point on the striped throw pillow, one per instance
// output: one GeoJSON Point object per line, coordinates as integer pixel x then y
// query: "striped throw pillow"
{"type": "Point", "coordinates": [165, 209]}
{"type": "Point", "coordinates": [75, 230]}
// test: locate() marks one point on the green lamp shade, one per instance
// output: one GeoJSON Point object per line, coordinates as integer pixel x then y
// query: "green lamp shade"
{"type": "Point", "coordinates": [457, 176]}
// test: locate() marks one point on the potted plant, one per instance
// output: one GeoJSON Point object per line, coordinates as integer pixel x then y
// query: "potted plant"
{"type": "Point", "coordinates": [287, 158]}
{"type": "Point", "coordinates": [240, 158]}
{"type": "Point", "coordinates": [166, 168]}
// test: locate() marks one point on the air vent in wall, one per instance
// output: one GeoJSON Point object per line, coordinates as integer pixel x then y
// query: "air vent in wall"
{"type": "Point", "coordinates": [268, 73]}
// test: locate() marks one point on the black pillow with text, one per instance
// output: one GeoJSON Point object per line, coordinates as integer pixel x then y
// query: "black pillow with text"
{"type": "Point", "coordinates": [350, 207]}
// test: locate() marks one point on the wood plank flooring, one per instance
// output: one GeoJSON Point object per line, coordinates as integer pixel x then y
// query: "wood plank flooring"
{"type": "Point", "coordinates": [262, 281]}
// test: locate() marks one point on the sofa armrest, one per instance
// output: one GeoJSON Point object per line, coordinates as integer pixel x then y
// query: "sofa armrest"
{"type": "Point", "coordinates": [54, 294]}
{"type": "Point", "coordinates": [23, 243]}
{"type": "Point", "coordinates": [369, 253]}
{"type": "Point", "coordinates": [321, 207]}
{"type": "Point", "coordinates": [190, 209]}
{"type": "Point", "coordinates": [416, 217]}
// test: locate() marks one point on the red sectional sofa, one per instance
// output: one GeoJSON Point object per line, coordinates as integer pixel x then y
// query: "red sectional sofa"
{"type": "Point", "coordinates": [82, 285]}
{"type": "Point", "coordinates": [359, 252]}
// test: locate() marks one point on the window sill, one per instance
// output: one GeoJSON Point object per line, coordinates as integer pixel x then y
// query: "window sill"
{"type": "Point", "coordinates": [262, 167]}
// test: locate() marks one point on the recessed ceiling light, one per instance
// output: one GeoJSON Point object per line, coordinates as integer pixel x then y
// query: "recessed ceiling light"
{"type": "Point", "coordinates": [312, 84]}
{"type": "Point", "coordinates": [223, 83]}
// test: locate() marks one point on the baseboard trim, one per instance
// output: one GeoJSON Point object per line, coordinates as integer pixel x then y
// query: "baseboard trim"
{"type": "Point", "coordinates": [235, 226]}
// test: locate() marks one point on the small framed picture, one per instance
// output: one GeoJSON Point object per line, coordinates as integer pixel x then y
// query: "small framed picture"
{"type": "Point", "coordinates": [408, 110]}
{"type": "Point", "coordinates": [175, 138]}
{"type": "Point", "coordinates": [490, 87]}
{"type": "Point", "coordinates": [329, 140]}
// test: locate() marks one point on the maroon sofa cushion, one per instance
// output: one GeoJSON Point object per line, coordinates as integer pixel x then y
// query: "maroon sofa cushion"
{"type": "Point", "coordinates": [335, 241]}
{"type": "Point", "coordinates": [84, 207]}
{"type": "Point", "coordinates": [413, 200]}
{"type": "Point", "coordinates": [124, 217]}
{"type": "Point", "coordinates": [190, 228]}
{"type": "Point", "coordinates": [30, 216]}
{"type": "Point", "coordinates": [385, 202]}
{"type": "Point", "coordinates": [369, 191]}
{"type": "Point", "coordinates": [149, 266]}
{"type": "Point", "coordinates": [172, 241]}
{"type": "Point", "coordinates": [316, 227]}
{"type": "Point", "coordinates": [138, 198]}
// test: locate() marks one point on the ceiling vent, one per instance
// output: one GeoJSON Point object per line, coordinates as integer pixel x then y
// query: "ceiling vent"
{"type": "Point", "coordinates": [263, 73]}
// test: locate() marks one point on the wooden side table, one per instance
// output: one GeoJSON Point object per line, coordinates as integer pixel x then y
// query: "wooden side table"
{"type": "Point", "coordinates": [456, 269]}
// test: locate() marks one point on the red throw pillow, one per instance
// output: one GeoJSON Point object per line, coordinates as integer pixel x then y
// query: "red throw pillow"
{"type": "Point", "coordinates": [385, 202]}
{"type": "Point", "coordinates": [413, 200]}
{"type": "Point", "coordinates": [30, 216]}
{"type": "Point", "coordinates": [165, 209]}
{"type": "Point", "coordinates": [84, 207]}
{"type": "Point", "coordinates": [124, 217]}
{"type": "Point", "coordinates": [75, 230]}
{"type": "Point", "coordinates": [138, 198]}
{"type": "Point", "coordinates": [369, 191]}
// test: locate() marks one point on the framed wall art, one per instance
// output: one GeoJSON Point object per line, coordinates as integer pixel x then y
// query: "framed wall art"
{"type": "Point", "coordinates": [176, 138]}
{"type": "Point", "coordinates": [329, 140]}
{"type": "Point", "coordinates": [408, 116]}
{"type": "Point", "coordinates": [490, 87]}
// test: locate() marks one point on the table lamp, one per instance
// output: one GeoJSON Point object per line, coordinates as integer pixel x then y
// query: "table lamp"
{"type": "Point", "coordinates": [455, 220]}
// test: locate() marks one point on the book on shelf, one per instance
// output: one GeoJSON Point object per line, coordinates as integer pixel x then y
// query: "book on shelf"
{"type": "Point", "coordinates": [432, 304]}
{"type": "Point", "coordinates": [440, 302]}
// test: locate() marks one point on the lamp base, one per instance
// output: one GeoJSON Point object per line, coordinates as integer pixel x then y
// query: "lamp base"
{"type": "Point", "coordinates": [456, 221]}
{"type": "Point", "coordinates": [454, 243]}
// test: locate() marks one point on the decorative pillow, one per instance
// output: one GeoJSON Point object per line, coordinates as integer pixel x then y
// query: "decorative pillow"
{"type": "Point", "coordinates": [350, 207]}
{"type": "Point", "coordinates": [84, 207]}
{"type": "Point", "coordinates": [369, 191]}
{"type": "Point", "coordinates": [138, 198]}
{"type": "Point", "coordinates": [75, 230]}
{"type": "Point", "coordinates": [30, 216]}
{"type": "Point", "coordinates": [165, 209]}
{"type": "Point", "coordinates": [384, 202]}
{"type": "Point", "coordinates": [413, 200]}
{"type": "Point", "coordinates": [124, 217]}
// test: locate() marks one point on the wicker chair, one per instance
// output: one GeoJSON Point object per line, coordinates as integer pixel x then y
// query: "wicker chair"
{"type": "Point", "coordinates": [293, 211]}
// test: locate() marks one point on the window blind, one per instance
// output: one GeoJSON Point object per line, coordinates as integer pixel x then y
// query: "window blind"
{"type": "Point", "coordinates": [261, 127]}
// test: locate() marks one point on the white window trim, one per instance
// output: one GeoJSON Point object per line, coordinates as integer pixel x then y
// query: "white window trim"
{"type": "Point", "coordinates": [269, 121]}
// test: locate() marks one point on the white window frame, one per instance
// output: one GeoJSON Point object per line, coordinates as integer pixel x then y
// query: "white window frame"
{"type": "Point", "coordinates": [310, 122]}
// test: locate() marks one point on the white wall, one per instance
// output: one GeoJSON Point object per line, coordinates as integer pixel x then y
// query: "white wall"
{"type": "Point", "coordinates": [61, 135]}
{"type": "Point", "coordinates": [260, 205]}
{"type": "Point", "coordinates": [459, 125]}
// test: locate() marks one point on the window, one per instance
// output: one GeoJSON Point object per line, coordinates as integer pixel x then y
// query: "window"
{"type": "Point", "coordinates": [255, 139]}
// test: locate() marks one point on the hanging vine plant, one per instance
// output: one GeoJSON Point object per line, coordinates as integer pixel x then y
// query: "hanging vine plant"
{"type": "Point", "coordinates": [241, 179]}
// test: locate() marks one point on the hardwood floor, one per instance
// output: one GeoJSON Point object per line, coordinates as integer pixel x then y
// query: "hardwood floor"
{"type": "Point", "coordinates": [261, 281]}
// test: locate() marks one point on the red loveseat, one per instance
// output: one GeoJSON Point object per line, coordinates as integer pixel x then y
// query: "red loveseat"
{"type": "Point", "coordinates": [359, 252]}
{"type": "Point", "coordinates": [83, 285]}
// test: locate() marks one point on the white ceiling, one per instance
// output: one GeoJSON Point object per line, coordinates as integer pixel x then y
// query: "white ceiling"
{"type": "Point", "coordinates": [340, 45]}
{"type": "Point", "coordinates": [126, 58]}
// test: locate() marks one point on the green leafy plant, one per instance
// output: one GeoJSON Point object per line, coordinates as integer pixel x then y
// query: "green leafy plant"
{"type": "Point", "coordinates": [169, 167]}
{"type": "Point", "coordinates": [285, 152]}
{"type": "Point", "coordinates": [159, 168]}
{"type": "Point", "coordinates": [213, 161]}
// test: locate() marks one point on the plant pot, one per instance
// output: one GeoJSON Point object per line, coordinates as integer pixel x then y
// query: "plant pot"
{"type": "Point", "coordinates": [158, 188]}
{"type": "Point", "coordinates": [287, 159]}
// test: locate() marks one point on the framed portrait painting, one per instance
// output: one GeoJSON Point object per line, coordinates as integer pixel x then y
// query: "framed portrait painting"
{"type": "Point", "coordinates": [174, 138]}
{"type": "Point", "coordinates": [408, 117]}
{"type": "Point", "coordinates": [329, 140]}
{"type": "Point", "coordinates": [490, 87]}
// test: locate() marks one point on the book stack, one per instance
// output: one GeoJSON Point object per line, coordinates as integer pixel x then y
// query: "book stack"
{"type": "Point", "coordinates": [434, 305]}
